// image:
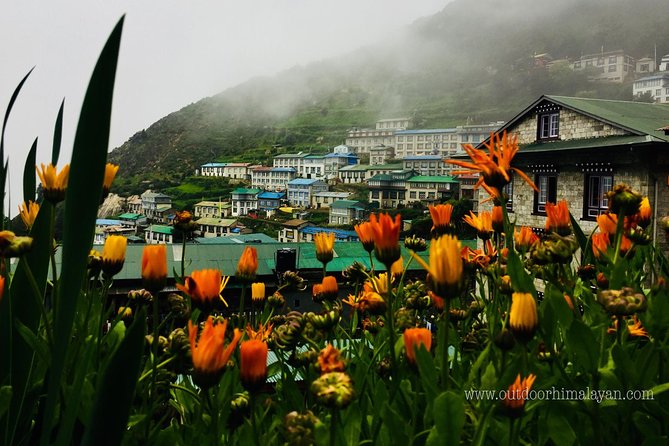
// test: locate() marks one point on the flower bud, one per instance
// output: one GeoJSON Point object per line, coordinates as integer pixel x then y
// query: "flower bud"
{"type": "Point", "coordinates": [334, 390]}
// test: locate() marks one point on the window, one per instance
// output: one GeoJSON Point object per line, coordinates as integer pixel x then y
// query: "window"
{"type": "Point", "coordinates": [577, 65]}
{"type": "Point", "coordinates": [508, 191]}
{"type": "Point", "coordinates": [547, 185]}
{"type": "Point", "coordinates": [596, 187]}
{"type": "Point", "coordinates": [549, 125]}
{"type": "Point", "coordinates": [612, 68]}
{"type": "Point", "coordinates": [613, 59]}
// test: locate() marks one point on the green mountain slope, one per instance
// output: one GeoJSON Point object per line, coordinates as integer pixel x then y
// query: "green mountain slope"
{"type": "Point", "coordinates": [471, 61]}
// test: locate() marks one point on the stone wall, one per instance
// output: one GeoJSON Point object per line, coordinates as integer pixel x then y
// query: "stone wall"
{"type": "Point", "coordinates": [572, 126]}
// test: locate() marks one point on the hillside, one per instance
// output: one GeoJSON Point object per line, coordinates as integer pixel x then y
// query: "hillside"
{"type": "Point", "coordinates": [471, 61]}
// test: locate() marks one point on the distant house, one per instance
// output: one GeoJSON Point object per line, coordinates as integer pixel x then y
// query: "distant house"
{"type": "Point", "coordinates": [313, 166]}
{"type": "Point", "coordinates": [159, 234]}
{"type": "Point", "coordinates": [211, 209]}
{"type": "Point", "coordinates": [132, 220]}
{"type": "Point", "coordinates": [426, 165]}
{"type": "Point", "coordinates": [269, 202]}
{"type": "Point", "coordinates": [272, 178]}
{"type": "Point", "coordinates": [611, 66]}
{"type": "Point", "coordinates": [336, 160]}
{"type": "Point", "coordinates": [290, 160]}
{"type": "Point", "coordinates": [300, 190]}
{"type": "Point", "coordinates": [577, 149]}
{"type": "Point", "coordinates": [347, 212]}
{"type": "Point", "coordinates": [381, 154]}
{"type": "Point", "coordinates": [324, 199]}
{"type": "Point", "coordinates": [360, 173]}
{"type": "Point", "coordinates": [307, 234]}
{"type": "Point", "coordinates": [216, 227]}
{"type": "Point", "coordinates": [237, 171]}
{"type": "Point", "coordinates": [155, 203]}
{"type": "Point", "coordinates": [431, 188]}
{"type": "Point", "coordinates": [244, 200]}
{"type": "Point", "coordinates": [389, 190]}
{"type": "Point", "coordinates": [212, 169]}
{"type": "Point", "coordinates": [290, 230]}
{"type": "Point", "coordinates": [657, 85]}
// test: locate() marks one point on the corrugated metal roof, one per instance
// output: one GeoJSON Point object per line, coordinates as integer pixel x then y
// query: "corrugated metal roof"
{"type": "Point", "coordinates": [432, 179]}
{"type": "Point", "coordinates": [161, 229]}
{"type": "Point", "coordinates": [585, 143]}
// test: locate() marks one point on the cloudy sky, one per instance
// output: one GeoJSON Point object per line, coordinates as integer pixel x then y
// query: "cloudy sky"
{"type": "Point", "coordinates": [173, 53]}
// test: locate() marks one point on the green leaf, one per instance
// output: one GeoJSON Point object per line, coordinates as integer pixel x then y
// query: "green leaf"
{"type": "Point", "coordinates": [5, 399]}
{"type": "Point", "coordinates": [520, 279]}
{"type": "Point", "coordinates": [84, 191]}
{"type": "Point", "coordinates": [29, 181]}
{"type": "Point", "coordinates": [560, 430]}
{"type": "Point", "coordinates": [449, 409]}
{"type": "Point", "coordinates": [583, 343]}
{"type": "Point", "coordinates": [37, 344]}
{"type": "Point", "coordinates": [660, 388]}
{"type": "Point", "coordinates": [427, 370]}
{"type": "Point", "coordinates": [581, 239]}
{"type": "Point", "coordinates": [352, 424]}
{"type": "Point", "coordinates": [57, 135]}
{"type": "Point", "coordinates": [115, 389]}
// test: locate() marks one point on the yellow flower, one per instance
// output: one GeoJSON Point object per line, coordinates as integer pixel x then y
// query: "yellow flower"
{"type": "Point", "coordinates": [378, 284]}
{"type": "Point", "coordinates": [366, 235]}
{"type": "Point", "coordinates": [441, 219]}
{"type": "Point", "coordinates": [445, 268]}
{"type": "Point", "coordinates": [644, 215]}
{"type": "Point", "coordinates": [413, 339]}
{"type": "Point", "coordinates": [397, 268]}
{"type": "Point", "coordinates": [258, 291]}
{"type": "Point", "coordinates": [28, 213]}
{"type": "Point", "coordinates": [482, 223]}
{"type": "Point", "coordinates": [154, 267]}
{"type": "Point", "coordinates": [54, 184]}
{"type": "Point", "coordinates": [515, 398]}
{"type": "Point", "coordinates": [523, 318]}
{"type": "Point", "coordinates": [557, 218]}
{"type": "Point", "coordinates": [205, 287]}
{"type": "Point", "coordinates": [386, 232]}
{"type": "Point", "coordinates": [324, 246]}
{"type": "Point", "coordinates": [209, 353]}
{"type": "Point", "coordinates": [248, 264]}
{"type": "Point", "coordinates": [494, 166]}
{"type": "Point", "coordinates": [110, 174]}
{"type": "Point", "coordinates": [253, 365]}
{"type": "Point", "coordinates": [113, 254]}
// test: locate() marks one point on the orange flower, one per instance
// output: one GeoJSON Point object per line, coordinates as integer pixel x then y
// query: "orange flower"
{"type": "Point", "coordinates": [353, 301]}
{"type": "Point", "coordinates": [253, 366]}
{"type": "Point", "coordinates": [525, 238]}
{"type": "Point", "coordinates": [263, 332]}
{"type": "Point", "coordinates": [600, 244]}
{"type": "Point", "coordinates": [372, 302]}
{"type": "Point", "coordinates": [523, 318]}
{"type": "Point", "coordinates": [445, 268]}
{"type": "Point", "coordinates": [329, 360]}
{"type": "Point", "coordinates": [386, 237]}
{"type": "Point", "coordinates": [326, 290]}
{"type": "Point", "coordinates": [607, 223]}
{"type": "Point", "coordinates": [474, 258]}
{"type": "Point", "coordinates": [324, 246]}
{"type": "Point", "coordinates": [366, 234]}
{"type": "Point", "coordinates": [2, 287]}
{"type": "Point", "coordinates": [248, 264]}
{"type": "Point", "coordinates": [397, 268]}
{"type": "Point", "coordinates": [517, 394]}
{"type": "Point", "coordinates": [54, 183]}
{"type": "Point", "coordinates": [494, 166]}
{"type": "Point", "coordinates": [644, 215]}
{"type": "Point", "coordinates": [482, 223]}
{"type": "Point", "coordinates": [558, 218]}
{"type": "Point", "coordinates": [635, 329]}
{"type": "Point", "coordinates": [154, 267]}
{"type": "Point", "coordinates": [28, 213]}
{"type": "Point", "coordinates": [110, 174]}
{"type": "Point", "coordinates": [113, 254]}
{"type": "Point", "coordinates": [498, 219]}
{"type": "Point", "coordinates": [441, 219]}
{"type": "Point", "coordinates": [210, 354]}
{"type": "Point", "coordinates": [413, 339]}
{"type": "Point", "coordinates": [205, 287]}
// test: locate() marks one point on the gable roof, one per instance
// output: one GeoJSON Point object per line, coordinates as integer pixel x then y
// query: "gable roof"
{"type": "Point", "coordinates": [638, 118]}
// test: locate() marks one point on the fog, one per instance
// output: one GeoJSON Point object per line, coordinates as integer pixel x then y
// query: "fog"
{"type": "Point", "coordinates": [172, 54]}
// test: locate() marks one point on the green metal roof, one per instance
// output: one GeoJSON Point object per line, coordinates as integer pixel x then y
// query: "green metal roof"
{"type": "Point", "coordinates": [345, 204]}
{"type": "Point", "coordinates": [161, 229]}
{"type": "Point", "coordinates": [244, 190]}
{"type": "Point", "coordinates": [432, 179]}
{"type": "Point", "coordinates": [393, 166]}
{"type": "Point", "coordinates": [381, 177]}
{"type": "Point", "coordinates": [585, 143]}
{"type": "Point", "coordinates": [130, 216]}
{"type": "Point", "coordinates": [638, 117]}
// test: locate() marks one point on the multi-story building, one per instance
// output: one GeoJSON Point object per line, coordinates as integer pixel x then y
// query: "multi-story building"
{"type": "Point", "coordinates": [216, 227]}
{"type": "Point", "coordinates": [426, 165]}
{"type": "Point", "coordinates": [313, 166]}
{"type": "Point", "coordinates": [645, 66]}
{"type": "Point", "coordinates": [212, 169]}
{"type": "Point", "coordinates": [363, 140]}
{"type": "Point", "coordinates": [324, 199]}
{"type": "Point", "coordinates": [211, 209]}
{"type": "Point", "coordinates": [154, 203]}
{"type": "Point", "coordinates": [657, 85]}
{"type": "Point", "coordinates": [237, 171]}
{"type": "Point", "coordinates": [293, 160]}
{"type": "Point", "coordinates": [347, 212]}
{"type": "Point", "coordinates": [389, 190]}
{"type": "Point", "coordinates": [300, 190]}
{"type": "Point", "coordinates": [159, 234]}
{"type": "Point", "coordinates": [612, 66]}
{"type": "Point", "coordinates": [269, 202]}
{"type": "Point", "coordinates": [290, 231]}
{"type": "Point", "coordinates": [243, 200]}
{"type": "Point", "coordinates": [335, 161]}
{"type": "Point", "coordinates": [360, 173]}
{"type": "Point", "coordinates": [442, 142]}
{"type": "Point", "coordinates": [431, 188]}
{"type": "Point", "coordinates": [272, 178]}
{"type": "Point", "coordinates": [381, 154]}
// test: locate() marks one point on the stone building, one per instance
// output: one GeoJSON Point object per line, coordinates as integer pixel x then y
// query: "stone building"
{"type": "Point", "coordinates": [577, 149]}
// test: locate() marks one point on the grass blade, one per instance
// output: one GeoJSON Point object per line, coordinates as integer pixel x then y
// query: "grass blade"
{"type": "Point", "coordinates": [29, 181]}
{"type": "Point", "coordinates": [57, 135]}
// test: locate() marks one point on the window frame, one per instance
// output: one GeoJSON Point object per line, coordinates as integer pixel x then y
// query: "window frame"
{"type": "Point", "coordinates": [550, 184]}
{"type": "Point", "coordinates": [548, 127]}
{"type": "Point", "coordinates": [590, 209]}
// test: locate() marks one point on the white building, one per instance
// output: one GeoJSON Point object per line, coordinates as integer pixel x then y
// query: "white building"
{"type": "Point", "coordinates": [212, 169]}
{"type": "Point", "coordinates": [272, 178]}
{"type": "Point", "coordinates": [426, 165]}
{"type": "Point", "coordinates": [243, 200]}
{"type": "Point", "coordinates": [300, 190]}
{"type": "Point", "coordinates": [325, 199]}
{"type": "Point", "coordinates": [657, 85]}
{"type": "Point", "coordinates": [612, 66]}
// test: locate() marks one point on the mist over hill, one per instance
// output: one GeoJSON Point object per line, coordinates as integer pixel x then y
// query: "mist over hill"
{"type": "Point", "coordinates": [473, 61]}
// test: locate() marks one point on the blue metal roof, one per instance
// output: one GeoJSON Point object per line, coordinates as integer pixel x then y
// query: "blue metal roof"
{"type": "Point", "coordinates": [107, 222]}
{"type": "Point", "coordinates": [271, 195]}
{"type": "Point", "coordinates": [422, 158]}
{"type": "Point", "coordinates": [215, 165]}
{"type": "Point", "coordinates": [282, 169]}
{"type": "Point", "coordinates": [302, 181]}
{"type": "Point", "coordinates": [339, 233]}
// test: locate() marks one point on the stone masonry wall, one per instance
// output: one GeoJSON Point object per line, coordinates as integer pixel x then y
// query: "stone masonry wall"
{"type": "Point", "coordinates": [572, 126]}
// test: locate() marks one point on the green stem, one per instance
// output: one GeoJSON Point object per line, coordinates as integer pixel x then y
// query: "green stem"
{"type": "Point", "coordinates": [38, 301]}
{"type": "Point", "coordinates": [445, 369]}
{"type": "Point", "coordinates": [254, 421]}
{"type": "Point", "coordinates": [333, 427]}
{"type": "Point", "coordinates": [390, 323]}
{"type": "Point", "coordinates": [183, 257]}
{"type": "Point", "coordinates": [241, 304]}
